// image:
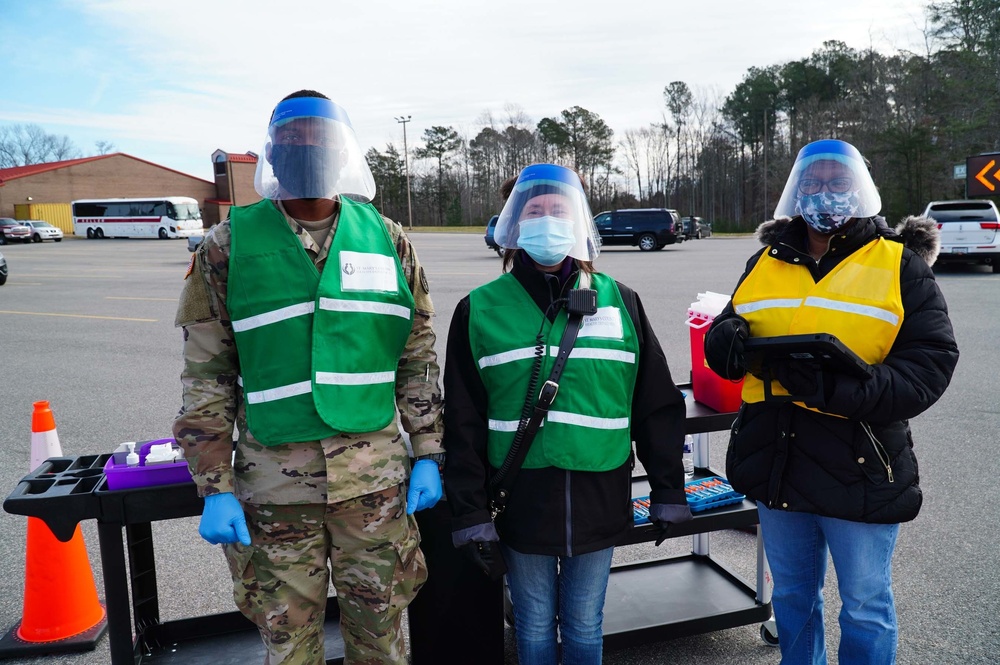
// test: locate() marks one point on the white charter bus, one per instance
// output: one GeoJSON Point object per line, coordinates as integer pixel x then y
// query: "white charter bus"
{"type": "Point", "coordinates": [166, 217]}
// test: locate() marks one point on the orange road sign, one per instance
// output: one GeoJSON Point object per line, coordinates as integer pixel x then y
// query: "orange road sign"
{"type": "Point", "coordinates": [982, 175]}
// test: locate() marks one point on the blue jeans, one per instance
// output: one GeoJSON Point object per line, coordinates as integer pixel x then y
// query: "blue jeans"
{"type": "Point", "coordinates": [797, 545]}
{"type": "Point", "coordinates": [571, 588]}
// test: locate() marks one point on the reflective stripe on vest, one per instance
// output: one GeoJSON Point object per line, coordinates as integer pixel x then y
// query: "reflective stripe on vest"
{"type": "Point", "coordinates": [588, 426]}
{"type": "Point", "coordinates": [318, 355]}
{"type": "Point", "coordinates": [859, 301]}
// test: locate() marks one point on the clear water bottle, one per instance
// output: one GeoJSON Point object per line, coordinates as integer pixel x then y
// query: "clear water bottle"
{"type": "Point", "coordinates": [688, 457]}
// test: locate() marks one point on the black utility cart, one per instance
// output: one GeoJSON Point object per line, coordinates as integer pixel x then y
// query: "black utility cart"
{"type": "Point", "coordinates": [646, 601]}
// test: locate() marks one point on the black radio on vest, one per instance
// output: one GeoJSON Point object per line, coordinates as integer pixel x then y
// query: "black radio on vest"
{"type": "Point", "coordinates": [582, 301]}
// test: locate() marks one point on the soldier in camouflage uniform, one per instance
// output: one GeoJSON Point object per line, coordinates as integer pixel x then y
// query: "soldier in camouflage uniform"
{"type": "Point", "coordinates": [340, 497]}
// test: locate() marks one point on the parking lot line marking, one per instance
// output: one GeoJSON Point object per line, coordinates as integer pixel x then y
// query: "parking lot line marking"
{"type": "Point", "coordinates": [76, 274]}
{"type": "Point", "coordinates": [80, 316]}
{"type": "Point", "coordinates": [127, 298]}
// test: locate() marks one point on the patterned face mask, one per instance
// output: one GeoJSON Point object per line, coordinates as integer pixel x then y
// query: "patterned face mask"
{"type": "Point", "coordinates": [826, 212]}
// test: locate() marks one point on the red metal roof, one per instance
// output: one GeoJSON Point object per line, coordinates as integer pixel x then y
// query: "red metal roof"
{"type": "Point", "coordinates": [248, 158]}
{"type": "Point", "coordinates": [22, 171]}
{"type": "Point", "coordinates": [34, 169]}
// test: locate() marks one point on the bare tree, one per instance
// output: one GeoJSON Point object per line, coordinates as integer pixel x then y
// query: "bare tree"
{"type": "Point", "coordinates": [104, 147]}
{"type": "Point", "coordinates": [632, 147]}
{"type": "Point", "coordinates": [22, 145]}
{"type": "Point", "coordinates": [678, 98]}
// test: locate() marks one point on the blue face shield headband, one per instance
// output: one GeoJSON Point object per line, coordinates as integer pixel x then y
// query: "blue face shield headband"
{"type": "Point", "coordinates": [307, 107]}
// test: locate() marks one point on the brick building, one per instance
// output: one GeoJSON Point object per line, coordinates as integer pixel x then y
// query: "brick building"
{"type": "Point", "coordinates": [233, 183]}
{"type": "Point", "coordinates": [118, 175]}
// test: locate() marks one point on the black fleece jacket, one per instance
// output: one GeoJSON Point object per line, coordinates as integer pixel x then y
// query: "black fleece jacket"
{"type": "Point", "coordinates": [859, 466]}
{"type": "Point", "coordinates": [553, 511]}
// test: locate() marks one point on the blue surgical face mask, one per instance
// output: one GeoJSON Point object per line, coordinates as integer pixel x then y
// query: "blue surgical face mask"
{"type": "Point", "coordinates": [547, 240]}
{"type": "Point", "coordinates": [827, 212]}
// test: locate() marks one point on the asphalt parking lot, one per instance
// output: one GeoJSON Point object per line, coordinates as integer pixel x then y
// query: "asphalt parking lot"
{"type": "Point", "coordinates": [88, 325]}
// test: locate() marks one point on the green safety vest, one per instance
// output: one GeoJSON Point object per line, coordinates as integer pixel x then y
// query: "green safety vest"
{"type": "Point", "coordinates": [318, 352]}
{"type": "Point", "coordinates": [587, 428]}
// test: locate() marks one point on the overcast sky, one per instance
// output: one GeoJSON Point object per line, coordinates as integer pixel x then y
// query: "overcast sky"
{"type": "Point", "coordinates": [170, 82]}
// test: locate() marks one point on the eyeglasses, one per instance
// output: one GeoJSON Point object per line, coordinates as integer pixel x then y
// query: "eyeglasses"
{"type": "Point", "coordinates": [837, 185]}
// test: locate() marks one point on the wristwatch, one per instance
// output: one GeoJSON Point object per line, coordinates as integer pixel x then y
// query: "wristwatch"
{"type": "Point", "coordinates": [437, 458]}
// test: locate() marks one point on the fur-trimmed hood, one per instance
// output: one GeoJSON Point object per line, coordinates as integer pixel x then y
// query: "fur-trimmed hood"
{"type": "Point", "coordinates": [918, 234]}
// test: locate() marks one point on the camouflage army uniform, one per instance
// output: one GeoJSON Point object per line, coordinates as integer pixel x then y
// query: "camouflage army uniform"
{"type": "Point", "coordinates": [341, 499]}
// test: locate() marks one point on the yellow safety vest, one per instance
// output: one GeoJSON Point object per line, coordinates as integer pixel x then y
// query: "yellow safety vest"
{"type": "Point", "coordinates": [858, 301]}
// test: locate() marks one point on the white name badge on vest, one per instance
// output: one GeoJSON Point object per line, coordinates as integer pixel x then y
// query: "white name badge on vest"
{"type": "Point", "coordinates": [367, 272]}
{"type": "Point", "coordinates": [606, 322]}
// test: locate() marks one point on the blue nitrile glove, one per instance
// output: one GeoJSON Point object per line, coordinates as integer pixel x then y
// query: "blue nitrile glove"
{"type": "Point", "coordinates": [223, 521]}
{"type": "Point", "coordinates": [663, 515]}
{"type": "Point", "coordinates": [425, 486]}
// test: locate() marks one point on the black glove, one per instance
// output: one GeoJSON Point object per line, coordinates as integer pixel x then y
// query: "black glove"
{"type": "Point", "coordinates": [663, 516]}
{"type": "Point", "coordinates": [487, 557]}
{"type": "Point", "coordinates": [724, 348]}
{"type": "Point", "coordinates": [803, 380]}
{"type": "Point", "coordinates": [664, 528]}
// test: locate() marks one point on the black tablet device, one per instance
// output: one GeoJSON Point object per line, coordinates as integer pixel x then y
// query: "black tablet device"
{"type": "Point", "coordinates": [821, 349]}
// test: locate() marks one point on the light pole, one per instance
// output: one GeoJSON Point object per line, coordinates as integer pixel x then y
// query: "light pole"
{"type": "Point", "coordinates": [766, 216]}
{"type": "Point", "coordinates": [406, 162]}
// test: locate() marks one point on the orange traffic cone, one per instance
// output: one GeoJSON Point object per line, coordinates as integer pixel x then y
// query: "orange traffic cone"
{"type": "Point", "coordinates": [44, 438]}
{"type": "Point", "coordinates": [61, 609]}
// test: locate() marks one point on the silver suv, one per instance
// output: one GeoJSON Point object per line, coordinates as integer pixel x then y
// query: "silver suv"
{"type": "Point", "coordinates": [970, 231]}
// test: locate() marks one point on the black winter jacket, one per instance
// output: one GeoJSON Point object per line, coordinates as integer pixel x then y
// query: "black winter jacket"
{"type": "Point", "coordinates": [795, 459]}
{"type": "Point", "coordinates": [553, 511]}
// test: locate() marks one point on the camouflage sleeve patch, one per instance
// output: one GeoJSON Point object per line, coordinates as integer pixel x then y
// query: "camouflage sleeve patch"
{"type": "Point", "coordinates": [196, 304]}
{"type": "Point", "coordinates": [205, 282]}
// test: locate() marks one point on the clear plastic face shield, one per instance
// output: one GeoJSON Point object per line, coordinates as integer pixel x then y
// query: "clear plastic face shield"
{"type": "Point", "coordinates": [548, 216]}
{"type": "Point", "coordinates": [828, 186]}
{"type": "Point", "coordinates": [311, 152]}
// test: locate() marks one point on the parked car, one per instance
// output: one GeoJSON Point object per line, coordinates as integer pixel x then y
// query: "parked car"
{"type": "Point", "coordinates": [193, 242]}
{"type": "Point", "coordinates": [488, 237]}
{"type": "Point", "coordinates": [970, 231]}
{"type": "Point", "coordinates": [681, 232]}
{"type": "Point", "coordinates": [13, 231]}
{"type": "Point", "coordinates": [695, 228]}
{"type": "Point", "coordinates": [647, 228]}
{"type": "Point", "coordinates": [3, 270]}
{"type": "Point", "coordinates": [43, 230]}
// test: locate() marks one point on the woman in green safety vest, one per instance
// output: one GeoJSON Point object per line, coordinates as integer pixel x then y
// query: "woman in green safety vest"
{"type": "Point", "coordinates": [570, 501]}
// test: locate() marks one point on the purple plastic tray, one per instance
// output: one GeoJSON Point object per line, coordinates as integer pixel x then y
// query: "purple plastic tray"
{"type": "Point", "coordinates": [123, 477]}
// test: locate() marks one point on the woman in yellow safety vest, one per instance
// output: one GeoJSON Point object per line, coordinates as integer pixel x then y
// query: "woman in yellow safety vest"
{"type": "Point", "coordinates": [828, 455]}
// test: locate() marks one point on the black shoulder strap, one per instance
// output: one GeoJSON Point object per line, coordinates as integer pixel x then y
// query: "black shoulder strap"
{"type": "Point", "coordinates": [503, 481]}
